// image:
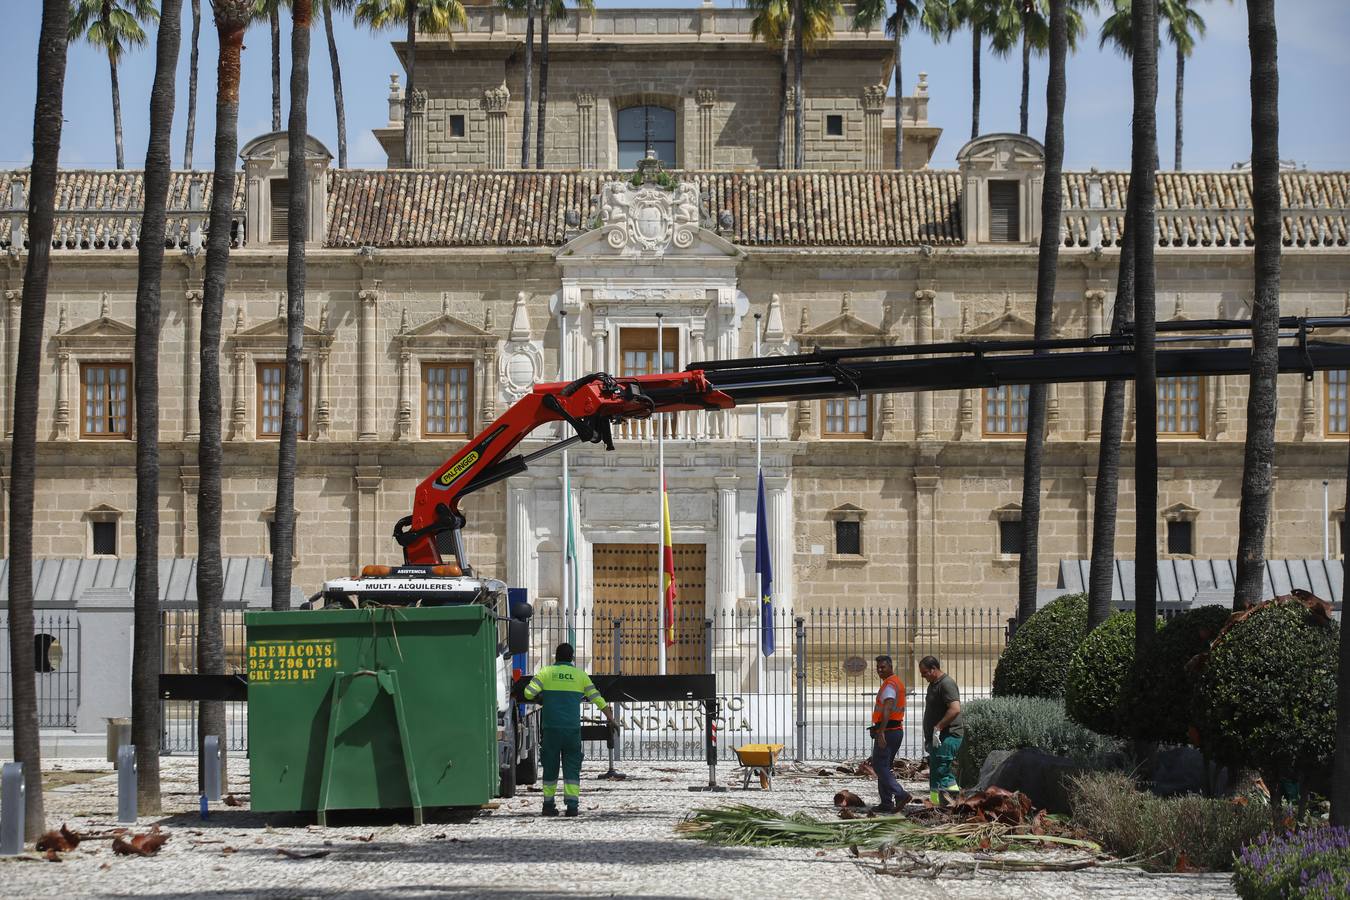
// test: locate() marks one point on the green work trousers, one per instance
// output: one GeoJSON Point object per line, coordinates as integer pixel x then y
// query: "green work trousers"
{"type": "Point", "coordinates": [941, 762]}
{"type": "Point", "coordinates": [562, 745]}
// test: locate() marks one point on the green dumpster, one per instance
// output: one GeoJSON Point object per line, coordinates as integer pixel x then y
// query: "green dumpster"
{"type": "Point", "coordinates": [378, 708]}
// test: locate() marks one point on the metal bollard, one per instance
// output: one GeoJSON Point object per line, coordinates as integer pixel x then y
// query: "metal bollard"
{"type": "Point", "coordinates": [801, 689]}
{"type": "Point", "coordinates": [614, 746]}
{"type": "Point", "coordinates": [211, 762]}
{"type": "Point", "coordinates": [11, 809]}
{"type": "Point", "coordinates": [126, 783]}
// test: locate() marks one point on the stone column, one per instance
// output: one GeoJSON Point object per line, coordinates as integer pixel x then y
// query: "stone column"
{"type": "Point", "coordinates": [189, 481]}
{"type": "Point", "coordinates": [1096, 303]}
{"type": "Point", "coordinates": [405, 413]}
{"type": "Point", "coordinates": [706, 98]}
{"type": "Point", "coordinates": [697, 347]}
{"type": "Point", "coordinates": [587, 158]}
{"type": "Point", "coordinates": [323, 417]}
{"type": "Point", "coordinates": [967, 417]}
{"type": "Point", "coordinates": [518, 533]}
{"type": "Point", "coordinates": [1220, 425]}
{"type": "Point", "coordinates": [13, 306]}
{"type": "Point", "coordinates": [778, 503]}
{"type": "Point", "coordinates": [369, 540]}
{"type": "Point", "coordinates": [1051, 411]}
{"type": "Point", "coordinates": [369, 299]}
{"type": "Point", "coordinates": [495, 101]}
{"type": "Point", "coordinates": [924, 335]}
{"type": "Point", "coordinates": [1307, 415]}
{"type": "Point", "coordinates": [873, 101]}
{"type": "Point", "coordinates": [239, 410]}
{"type": "Point", "coordinates": [418, 131]}
{"type": "Point", "coordinates": [63, 396]}
{"type": "Point", "coordinates": [728, 559]}
{"type": "Point", "coordinates": [192, 318]}
{"type": "Point", "coordinates": [925, 532]}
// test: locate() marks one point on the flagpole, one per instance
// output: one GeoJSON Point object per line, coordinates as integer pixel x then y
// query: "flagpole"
{"type": "Point", "coordinates": [569, 614]}
{"type": "Point", "coordinates": [661, 510]}
{"type": "Point", "coordinates": [759, 477]}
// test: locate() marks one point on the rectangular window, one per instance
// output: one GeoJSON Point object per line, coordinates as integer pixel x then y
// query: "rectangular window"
{"type": "Point", "coordinates": [457, 126]}
{"type": "Point", "coordinates": [1005, 211]}
{"type": "Point", "coordinates": [106, 389]}
{"type": "Point", "coordinates": [1337, 419]}
{"type": "Point", "coordinates": [848, 538]}
{"type": "Point", "coordinates": [271, 396]}
{"type": "Point", "coordinates": [447, 391]}
{"type": "Point", "coordinates": [1181, 538]}
{"type": "Point", "coordinates": [1005, 410]}
{"type": "Point", "coordinates": [1181, 405]}
{"type": "Point", "coordinates": [637, 351]}
{"type": "Point", "coordinates": [834, 126]}
{"type": "Point", "coordinates": [103, 538]}
{"type": "Point", "coordinates": [848, 417]}
{"type": "Point", "coordinates": [280, 197]}
{"type": "Point", "coordinates": [1010, 538]}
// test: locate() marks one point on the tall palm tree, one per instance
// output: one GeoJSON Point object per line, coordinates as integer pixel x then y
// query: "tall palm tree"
{"type": "Point", "coordinates": [426, 16]}
{"type": "Point", "coordinates": [1023, 24]}
{"type": "Point", "coordinates": [1143, 170]}
{"type": "Point", "coordinates": [232, 19]}
{"type": "Point", "coordinates": [112, 26]}
{"type": "Point", "coordinates": [1051, 208]}
{"type": "Point", "coordinates": [528, 9]}
{"type": "Point", "coordinates": [557, 11]}
{"type": "Point", "coordinates": [933, 16]}
{"type": "Point", "coordinates": [145, 655]}
{"type": "Point", "coordinates": [297, 226]}
{"type": "Point", "coordinates": [272, 10]}
{"type": "Point", "coordinates": [1258, 459]}
{"type": "Point", "coordinates": [1185, 27]}
{"type": "Point", "coordinates": [978, 16]}
{"type": "Point", "coordinates": [772, 24]}
{"type": "Point", "coordinates": [192, 86]}
{"type": "Point", "coordinates": [1340, 761]}
{"type": "Point", "coordinates": [51, 76]}
{"type": "Point", "coordinates": [329, 8]}
{"type": "Point", "coordinates": [812, 21]}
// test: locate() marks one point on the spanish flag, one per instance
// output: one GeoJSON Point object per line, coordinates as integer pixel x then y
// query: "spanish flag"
{"type": "Point", "coordinates": [667, 567]}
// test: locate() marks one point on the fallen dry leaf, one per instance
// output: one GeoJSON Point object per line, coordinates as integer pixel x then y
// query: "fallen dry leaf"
{"type": "Point", "coordinates": [366, 838]}
{"type": "Point", "coordinates": [231, 800]}
{"type": "Point", "coordinates": [228, 850]}
{"type": "Point", "coordinates": [53, 856]}
{"type": "Point", "coordinates": [62, 841]}
{"type": "Point", "coordinates": [139, 844]}
{"type": "Point", "coordinates": [296, 854]}
{"type": "Point", "coordinates": [848, 798]}
{"type": "Point", "coordinates": [105, 866]}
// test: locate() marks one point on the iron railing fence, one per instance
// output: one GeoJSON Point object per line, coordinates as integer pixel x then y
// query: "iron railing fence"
{"type": "Point", "coordinates": [178, 646]}
{"type": "Point", "coordinates": [56, 646]}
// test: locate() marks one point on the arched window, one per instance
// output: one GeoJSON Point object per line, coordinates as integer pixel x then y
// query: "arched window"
{"type": "Point", "coordinates": [643, 128]}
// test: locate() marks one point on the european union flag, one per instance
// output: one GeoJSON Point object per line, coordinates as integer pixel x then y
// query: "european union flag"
{"type": "Point", "coordinates": [764, 566]}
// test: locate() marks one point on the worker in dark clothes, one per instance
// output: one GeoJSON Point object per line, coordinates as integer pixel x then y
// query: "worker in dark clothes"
{"type": "Point", "coordinates": [560, 688]}
{"type": "Point", "coordinates": [943, 729]}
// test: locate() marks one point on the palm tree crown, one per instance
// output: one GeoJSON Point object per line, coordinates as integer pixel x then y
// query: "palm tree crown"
{"type": "Point", "coordinates": [111, 25]}
{"type": "Point", "coordinates": [433, 16]}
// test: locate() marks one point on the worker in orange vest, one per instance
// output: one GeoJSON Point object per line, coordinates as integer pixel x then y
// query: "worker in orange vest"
{"type": "Point", "coordinates": [888, 731]}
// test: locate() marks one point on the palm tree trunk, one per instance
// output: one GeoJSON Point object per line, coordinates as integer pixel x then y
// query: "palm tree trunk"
{"type": "Point", "coordinates": [297, 227]}
{"type": "Point", "coordinates": [274, 17]}
{"type": "Point", "coordinates": [51, 76]}
{"type": "Point", "coordinates": [1258, 460]}
{"type": "Point", "coordinates": [799, 123]}
{"type": "Point", "coordinates": [145, 655]}
{"type": "Point", "coordinates": [231, 22]}
{"type": "Point", "coordinates": [407, 95]}
{"type": "Point", "coordinates": [784, 82]}
{"type": "Point", "coordinates": [1101, 571]}
{"type": "Point", "coordinates": [335, 64]}
{"type": "Point", "coordinates": [1025, 113]}
{"type": "Point", "coordinates": [975, 39]}
{"type": "Point", "coordinates": [117, 112]}
{"type": "Point", "coordinates": [899, 99]}
{"type": "Point", "coordinates": [529, 86]}
{"type": "Point", "coordinates": [1143, 169]}
{"type": "Point", "coordinates": [1340, 758]}
{"type": "Point", "coordinates": [192, 86]}
{"type": "Point", "coordinates": [543, 84]}
{"type": "Point", "coordinates": [1181, 84]}
{"type": "Point", "coordinates": [1051, 202]}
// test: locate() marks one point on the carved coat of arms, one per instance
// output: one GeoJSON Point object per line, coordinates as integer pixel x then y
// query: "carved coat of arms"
{"type": "Point", "coordinates": [649, 218]}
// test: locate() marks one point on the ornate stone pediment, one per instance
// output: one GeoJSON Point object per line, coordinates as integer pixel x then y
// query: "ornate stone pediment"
{"type": "Point", "coordinates": [271, 333]}
{"type": "Point", "coordinates": [104, 332]}
{"type": "Point", "coordinates": [447, 329]}
{"type": "Point", "coordinates": [993, 153]}
{"type": "Point", "coordinates": [845, 328]}
{"type": "Point", "coordinates": [646, 221]}
{"type": "Point", "coordinates": [1008, 325]}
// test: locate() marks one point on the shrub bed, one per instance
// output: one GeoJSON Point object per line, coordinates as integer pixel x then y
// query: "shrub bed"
{"type": "Point", "coordinates": [1015, 723]}
{"type": "Point", "coordinates": [1036, 660]}
{"type": "Point", "coordinates": [1313, 863]}
{"type": "Point", "coordinates": [1101, 668]}
{"type": "Point", "coordinates": [1160, 701]}
{"type": "Point", "coordinates": [1164, 833]}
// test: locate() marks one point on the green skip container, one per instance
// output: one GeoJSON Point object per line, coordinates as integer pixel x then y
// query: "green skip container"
{"type": "Point", "coordinates": [383, 708]}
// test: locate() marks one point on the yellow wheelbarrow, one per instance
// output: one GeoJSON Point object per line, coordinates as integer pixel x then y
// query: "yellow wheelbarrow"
{"type": "Point", "coordinates": [761, 760]}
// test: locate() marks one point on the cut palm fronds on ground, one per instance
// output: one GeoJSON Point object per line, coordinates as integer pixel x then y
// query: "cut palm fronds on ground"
{"type": "Point", "coordinates": [750, 826]}
{"type": "Point", "coordinates": [919, 865]}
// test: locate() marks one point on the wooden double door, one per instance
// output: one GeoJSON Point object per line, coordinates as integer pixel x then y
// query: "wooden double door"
{"type": "Point", "coordinates": [628, 588]}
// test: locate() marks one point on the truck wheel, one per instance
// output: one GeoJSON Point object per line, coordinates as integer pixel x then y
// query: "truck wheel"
{"type": "Point", "coordinates": [508, 782]}
{"type": "Point", "coordinates": [527, 770]}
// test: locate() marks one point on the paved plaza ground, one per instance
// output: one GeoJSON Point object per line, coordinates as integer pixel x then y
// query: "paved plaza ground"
{"type": "Point", "coordinates": [622, 845]}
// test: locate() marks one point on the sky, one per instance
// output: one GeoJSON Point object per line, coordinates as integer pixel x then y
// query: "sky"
{"type": "Point", "coordinates": [1313, 37]}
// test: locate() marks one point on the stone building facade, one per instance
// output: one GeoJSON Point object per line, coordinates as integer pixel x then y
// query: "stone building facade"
{"type": "Point", "coordinates": [436, 297]}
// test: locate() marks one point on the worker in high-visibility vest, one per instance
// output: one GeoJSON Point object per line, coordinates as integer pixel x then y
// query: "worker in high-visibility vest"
{"type": "Point", "coordinates": [888, 731]}
{"type": "Point", "coordinates": [560, 688]}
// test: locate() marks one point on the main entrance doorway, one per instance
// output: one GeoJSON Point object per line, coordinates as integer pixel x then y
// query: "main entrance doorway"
{"type": "Point", "coordinates": [627, 588]}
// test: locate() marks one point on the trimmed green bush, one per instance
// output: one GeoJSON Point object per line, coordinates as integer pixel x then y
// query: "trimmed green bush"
{"type": "Point", "coordinates": [1015, 723]}
{"type": "Point", "coordinates": [1268, 691]}
{"type": "Point", "coordinates": [1036, 660]}
{"type": "Point", "coordinates": [1160, 700]}
{"type": "Point", "coordinates": [1098, 673]}
{"type": "Point", "coordinates": [1163, 831]}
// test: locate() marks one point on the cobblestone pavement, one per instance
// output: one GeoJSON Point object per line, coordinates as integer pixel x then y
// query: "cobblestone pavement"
{"type": "Point", "coordinates": [622, 845]}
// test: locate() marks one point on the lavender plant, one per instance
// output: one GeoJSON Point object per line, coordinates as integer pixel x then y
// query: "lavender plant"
{"type": "Point", "coordinates": [1313, 864]}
